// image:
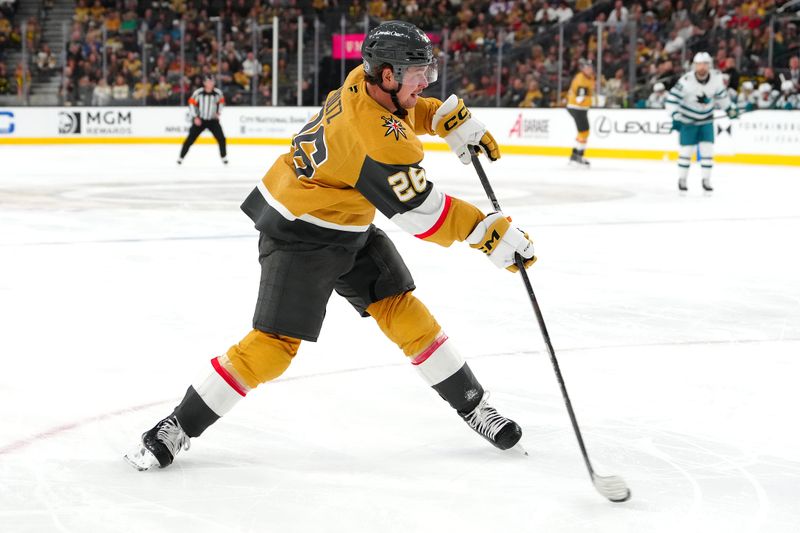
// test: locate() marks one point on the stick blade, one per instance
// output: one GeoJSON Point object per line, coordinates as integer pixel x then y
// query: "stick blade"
{"type": "Point", "coordinates": [612, 487]}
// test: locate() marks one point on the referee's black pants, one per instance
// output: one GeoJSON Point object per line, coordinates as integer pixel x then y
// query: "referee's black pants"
{"type": "Point", "coordinates": [195, 131]}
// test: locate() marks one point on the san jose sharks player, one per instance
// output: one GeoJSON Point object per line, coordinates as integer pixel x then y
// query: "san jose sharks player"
{"type": "Point", "coordinates": [691, 103]}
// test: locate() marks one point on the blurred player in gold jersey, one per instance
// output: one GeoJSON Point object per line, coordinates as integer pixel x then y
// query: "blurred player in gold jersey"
{"type": "Point", "coordinates": [579, 100]}
{"type": "Point", "coordinates": [314, 210]}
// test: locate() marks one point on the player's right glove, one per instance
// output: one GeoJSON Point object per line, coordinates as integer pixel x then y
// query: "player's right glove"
{"type": "Point", "coordinates": [733, 112]}
{"type": "Point", "coordinates": [500, 241]}
{"type": "Point", "coordinates": [676, 125]}
{"type": "Point", "coordinates": [454, 123]}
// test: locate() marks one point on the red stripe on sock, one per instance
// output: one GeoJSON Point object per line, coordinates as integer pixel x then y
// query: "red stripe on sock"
{"type": "Point", "coordinates": [421, 358]}
{"type": "Point", "coordinates": [230, 380]}
{"type": "Point", "coordinates": [439, 221]}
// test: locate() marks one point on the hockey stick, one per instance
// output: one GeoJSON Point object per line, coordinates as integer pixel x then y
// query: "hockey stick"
{"type": "Point", "coordinates": [612, 487]}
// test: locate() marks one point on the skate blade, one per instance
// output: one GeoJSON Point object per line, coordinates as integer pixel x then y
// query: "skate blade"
{"type": "Point", "coordinates": [141, 458]}
{"type": "Point", "coordinates": [518, 449]}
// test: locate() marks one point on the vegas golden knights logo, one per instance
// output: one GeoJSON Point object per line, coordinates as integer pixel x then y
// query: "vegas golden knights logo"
{"type": "Point", "coordinates": [488, 246]}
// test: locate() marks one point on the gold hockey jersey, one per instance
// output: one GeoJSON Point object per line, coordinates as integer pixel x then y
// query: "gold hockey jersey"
{"type": "Point", "coordinates": [579, 95]}
{"type": "Point", "coordinates": [352, 157]}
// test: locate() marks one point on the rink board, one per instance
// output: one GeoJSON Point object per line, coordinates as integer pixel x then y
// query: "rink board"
{"type": "Point", "coordinates": [761, 137]}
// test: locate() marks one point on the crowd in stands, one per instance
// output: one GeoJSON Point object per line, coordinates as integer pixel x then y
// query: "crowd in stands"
{"type": "Point", "coordinates": [658, 50]}
{"type": "Point", "coordinates": [10, 38]}
{"type": "Point", "coordinates": [140, 62]}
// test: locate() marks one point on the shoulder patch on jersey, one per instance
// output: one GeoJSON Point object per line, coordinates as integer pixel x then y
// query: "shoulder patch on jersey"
{"type": "Point", "coordinates": [393, 126]}
{"type": "Point", "coordinates": [353, 88]}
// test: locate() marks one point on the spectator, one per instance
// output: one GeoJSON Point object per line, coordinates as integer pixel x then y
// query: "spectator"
{"type": "Point", "coordinates": [767, 96]}
{"type": "Point", "coordinates": [746, 100]}
{"type": "Point", "coordinates": [793, 72]}
{"type": "Point", "coordinates": [251, 66]}
{"type": "Point", "coordinates": [120, 91]}
{"type": "Point", "coordinates": [85, 91]}
{"type": "Point", "coordinates": [788, 98]}
{"type": "Point", "coordinates": [81, 12]}
{"type": "Point", "coordinates": [5, 81]}
{"type": "Point", "coordinates": [650, 24]}
{"type": "Point", "coordinates": [563, 12]}
{"type": "Point", "coordinates": [770, 78]}
{"type": "Point", "coordinates": [515, 95]}
{"type": "Point", "coordinates": [162, 91]}
{"type": "Point", "coordinates": [101, 95]}
{"type": "Point", "coordinates": [141, 91]}
{"type": "Point", "coordinates": [616, 90]}
{"type": "Point", "coordinates": [729, 68]}
{"type": "Point", "coordinates": [265, 94]}
{"type": "Point", "coordinates": [8, 36]}
{"type": "Point", "coordinates": [97, 11]}
{"type": "Point", "coordinates": [533, 96]}
{"type": "Point", "coordinates": [675, 43]}
{"type": "Point", "coordinates": [546, 14]}
{"type": "Point", "coordinates": [22, 78]}
{"type": "Point", "coordinates": [657, 97]}
{"type": "Point", "coordinates": [619, 15]}
{"type": "Point", "coordinates": [45, 60]}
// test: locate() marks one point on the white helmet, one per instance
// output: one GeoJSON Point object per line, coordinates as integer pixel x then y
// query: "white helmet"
{"type": "Point", "coordinates": [702, 57]}
{"type": "Point", "coordinates": [747, 86]}
{"type": "Point", "coordinates": [787, 86]}
{"type": "Point", "coordinates": [659, 87]}
{"type": "Point", "coordinates": [765, 88]}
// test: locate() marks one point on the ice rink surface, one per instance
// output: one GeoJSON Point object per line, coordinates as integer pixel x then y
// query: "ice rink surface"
{"type": "Point", "coordinates": [676, 320]}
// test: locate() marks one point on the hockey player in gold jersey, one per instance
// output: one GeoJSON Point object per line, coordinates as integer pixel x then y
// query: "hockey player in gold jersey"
{"type": "Point", "coordinates": [579, 100]}
{"type": "Point", "coordinates": [314, 210]}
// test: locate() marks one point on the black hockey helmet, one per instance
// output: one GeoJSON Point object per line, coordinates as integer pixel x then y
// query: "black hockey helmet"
{"type": "Point", "coordinates": [401, 45]}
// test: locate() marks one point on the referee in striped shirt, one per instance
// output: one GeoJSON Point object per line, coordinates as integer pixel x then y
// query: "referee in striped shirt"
{"type": "Point", "coordinates": [205, 107]}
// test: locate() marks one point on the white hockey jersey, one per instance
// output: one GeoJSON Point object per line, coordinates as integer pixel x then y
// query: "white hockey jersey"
{"type": "Point", "coordinates": [788, 101]}
{"type": "Point", "coordinates": [766, 100]}
{"type": "Point", "coordinates": [656, 100]}
{"type": "Point", "coordinates": [693, 102]}
{"type": "Point", "coordinates": [746, 101]}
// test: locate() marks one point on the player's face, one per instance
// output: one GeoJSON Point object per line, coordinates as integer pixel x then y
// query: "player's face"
{"type": "Point", "coordinates": [413, 84]}
{"type": "Point", "coordinates": [415, 80]}
{"type": "Point", "coordinates": [701, 69]}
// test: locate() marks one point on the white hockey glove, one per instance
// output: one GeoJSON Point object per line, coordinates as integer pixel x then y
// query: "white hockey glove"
{"type": "Point", "coordinates": [454, 123]}
{"type": "Point", "coordinates": [500, 241]}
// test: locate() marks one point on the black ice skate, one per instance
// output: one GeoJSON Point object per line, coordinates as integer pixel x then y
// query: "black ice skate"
{"type": "Point", "coordinates": [682, 185]}
{"type": "Point", "coordinates": [159, 446]}
{"type": "Point", "coordinates": [497, 429]}
{"type": "Point", "coordinates": [577, 158]}
{"type": "Point", "coordinates": [707, 185]}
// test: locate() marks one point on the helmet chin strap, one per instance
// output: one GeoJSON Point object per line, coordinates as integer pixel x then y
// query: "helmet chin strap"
{"type": "Point", "coordinates": [400, 111]}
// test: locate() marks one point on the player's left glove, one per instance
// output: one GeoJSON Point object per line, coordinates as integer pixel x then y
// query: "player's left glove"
{"type": "Point", "coordinates": [733, 112]}
{"type": "Point", "coordinates": [454, 123]}
{"type": "Point", "coordinates": [500, 241]}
